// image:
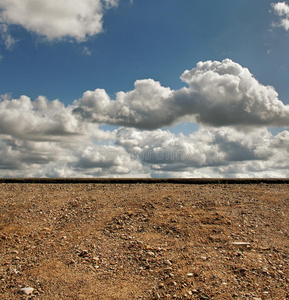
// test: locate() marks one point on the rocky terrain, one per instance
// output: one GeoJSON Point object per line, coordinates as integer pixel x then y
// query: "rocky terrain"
{"type": "Point", "coordinates": [144, 241]}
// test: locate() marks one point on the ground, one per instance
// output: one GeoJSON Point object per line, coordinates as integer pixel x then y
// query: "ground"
{"type": "Point", "coordinates": [144, 241]}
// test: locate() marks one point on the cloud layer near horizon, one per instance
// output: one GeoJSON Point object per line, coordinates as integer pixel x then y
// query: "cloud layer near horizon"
{"type": "Point", "coordinates": [57, 19]}
{"type": "Point", "coordinates": [44, 138]}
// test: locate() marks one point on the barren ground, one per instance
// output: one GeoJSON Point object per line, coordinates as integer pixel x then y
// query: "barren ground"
{"type": "Point", "coordinates": [144, 241]}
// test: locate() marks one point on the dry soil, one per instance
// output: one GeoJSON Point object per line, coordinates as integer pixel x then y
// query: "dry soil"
{"type": "Point", "coordinates": [144, 241]}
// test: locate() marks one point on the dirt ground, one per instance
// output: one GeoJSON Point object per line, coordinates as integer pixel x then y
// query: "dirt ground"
{"type": "Point", "coordinates": [144, 241]}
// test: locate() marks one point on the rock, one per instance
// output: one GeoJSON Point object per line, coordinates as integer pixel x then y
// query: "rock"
{"type": "Point", "coordinates": [26, 291]}
{"type": "Point", "coordinates": [72, 262]}
{"type": "Point", "coordinates": [240, 243]}
{"type": "Point", "coordinates": [157, 296]}
{"type": "Point", "coordinates": [190, 274]}
{"type": "Point", "coordinates": [83, 253]}
{"type": "Point", "coordinates": [95, 259]}
{"type": "Point", "coordinates": [167, 262]}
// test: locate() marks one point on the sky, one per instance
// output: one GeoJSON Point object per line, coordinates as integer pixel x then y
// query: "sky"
{"type": "Point", "coordinates": [133, 88]}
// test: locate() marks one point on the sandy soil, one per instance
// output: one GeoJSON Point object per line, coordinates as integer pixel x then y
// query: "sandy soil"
{"type": "Point", "coordinates": [144, 241]}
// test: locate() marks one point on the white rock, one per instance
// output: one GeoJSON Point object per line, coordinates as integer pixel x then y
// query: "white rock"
{"type": "Point", "coordinates": [26, 291]}
{"type": "Point", "coordinates": [241, 243]}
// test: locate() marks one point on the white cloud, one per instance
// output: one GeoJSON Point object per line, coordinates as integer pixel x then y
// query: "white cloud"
{"type": "Point", "coordinates": [111, 161]}
{"type": "Point", "coordinates": [219, 94]}
{"type": "Point", "coordinates": [6, 37]}
{"type": "Point", "coordinates": [208, 147]}
{"type": "Point", "coordinates": [57, 19]}
{"type": "Point", "coordinates": [147, 106]}
{"type": "Point", "coordinates": [281, 9]}
{"type": "Point", "coordinates": [43, 120]}
{"type": "Point", "coordinates": [43, 138]}
{"type": "Point", "coordinates": [86, 51]}
{"type": "Point", "coordinates": [209, 152]}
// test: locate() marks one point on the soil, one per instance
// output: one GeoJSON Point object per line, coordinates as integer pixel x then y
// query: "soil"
{"type": "Point", "coordinates": [144, 241]}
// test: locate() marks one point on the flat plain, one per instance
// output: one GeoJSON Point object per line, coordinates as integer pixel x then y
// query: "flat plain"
{"type": "Point", "coordinates": [144, 241]}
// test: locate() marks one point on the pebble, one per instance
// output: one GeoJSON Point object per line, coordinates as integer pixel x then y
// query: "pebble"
{"type": "Point", "coordinates": [26, 291]}
{"type": "Point", "coordinates": [241, 243]}
{"type": "Point", "coordinates": [167, 262]}
{"type": "Point", "coordinates": [83, 253]}
{"type": "Point", "coordinates": [72, 262]}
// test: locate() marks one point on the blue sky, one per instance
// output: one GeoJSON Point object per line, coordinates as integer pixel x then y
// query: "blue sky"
{"type": "Point", "coordinates": [143, 40]}
{"type": "Point", "coordinates": [149, 39]}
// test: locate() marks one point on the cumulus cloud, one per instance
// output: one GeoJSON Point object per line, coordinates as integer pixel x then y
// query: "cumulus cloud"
{"type": "Point", "coordinates": [57, 19]}
{"type": "Point", "coordinates": [42, 138]}
{"type": "Point", "coordinates": [43, 120]}
{"type": "Point", "coordinates": [219, 94]}
{"type": "Point", "coordinates": [281, 9]}
{"type": "Point", "coordinates": [208, 152]}
{"type": "Point", "coordinates": [111, 161]}
{"type": "Point", "coordinates": [205, 147]}
{"type": "Point", "coordinates": [147, 106]}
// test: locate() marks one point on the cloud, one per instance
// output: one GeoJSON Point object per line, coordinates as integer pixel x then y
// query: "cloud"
{"type": "Point", "coordinates": [147, 106]}
{"type": "Point", "coordinates": [205, 147]}
{"type": "Point", "coordinates": [5, 36]}
{"type": "Point", "coordinates": [219, 94]}
{"type": "Point", "coordinates": [43, 120]}
{"type": "Point", "coordinates": [56, 20]}
{"type": "Point", "coordinates": [43, 138]}
{"type": "Point", "coordinates": [281, 9]}
{"type": "Point", "coordinates": [208, 152]}
{"type": "Point", "coordinates": [110, 161]}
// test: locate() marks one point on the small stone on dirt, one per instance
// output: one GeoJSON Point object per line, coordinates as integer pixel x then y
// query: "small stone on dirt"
{"type": "Point", "coordinates": [26, 291]}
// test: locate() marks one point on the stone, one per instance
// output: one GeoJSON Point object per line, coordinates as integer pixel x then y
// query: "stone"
{"type": "Point", "coordinates": [157, 296]}
{"type": "Point", "coordinates": [167, 262]}
{"type": "Point", "coordinates": [26, 291]}
{"type": "Point", "coordinates": [241, 243]}
{"type": "Point", "coordinates": [83, 253]}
